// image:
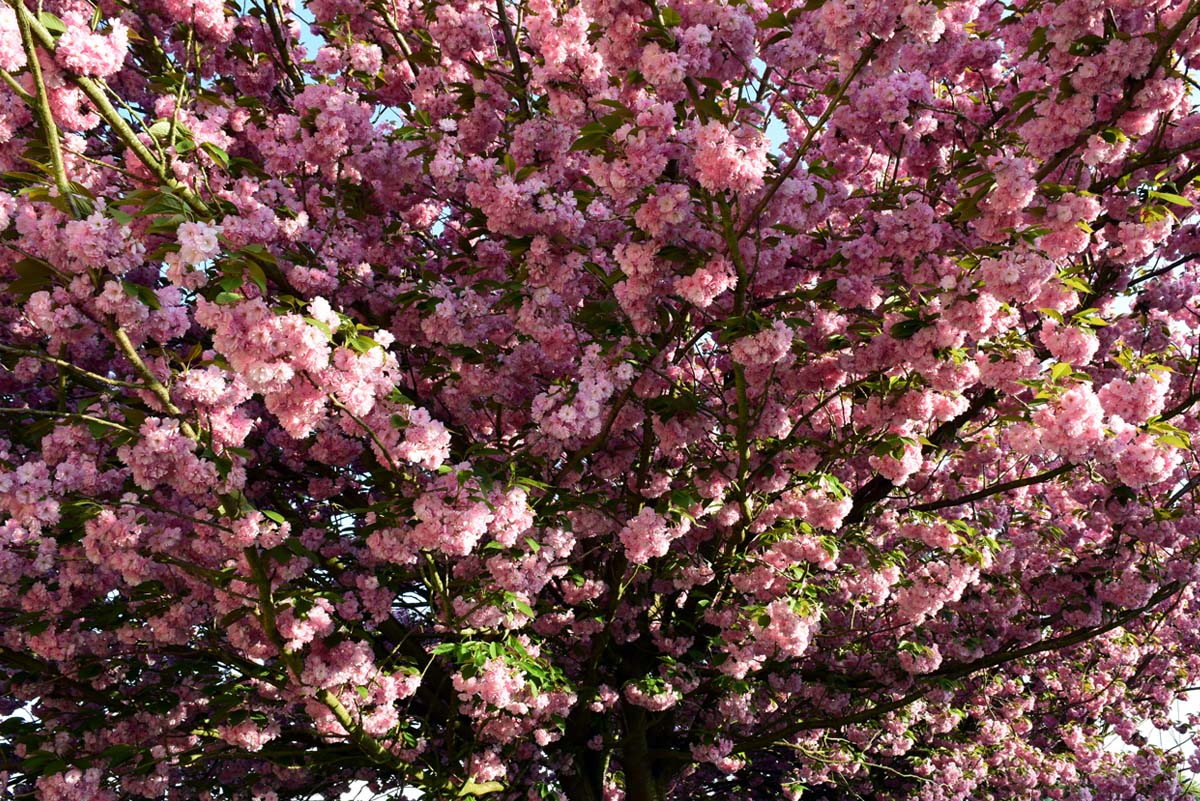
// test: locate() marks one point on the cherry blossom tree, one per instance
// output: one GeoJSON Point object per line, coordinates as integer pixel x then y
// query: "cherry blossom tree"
{"type": "Point", "coordinates": [598, 400]}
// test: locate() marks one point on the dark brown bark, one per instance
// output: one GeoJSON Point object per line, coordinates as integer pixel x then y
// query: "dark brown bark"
{"type": "Point", "coordinates": [641, 777]}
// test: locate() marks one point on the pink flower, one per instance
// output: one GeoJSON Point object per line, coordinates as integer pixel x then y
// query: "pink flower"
{"type": "Point", "coordinates": [94, 54]}
{"type": "Point", "coordinates": [1071, 344]}
{"type": "Point", "coordinates": [897, 469]}
{"type": "Point", "coordinates": [730, 160]}
{"type": "Point", "coordinates": [1135, 401]}
{"type": "Point", "coordinates": [765, 347]}
{"type": "Point", "coordinates": [1145, 461]}
{"type": "Point", "coordinates": [648, 535]}
{"type": "Point", "coordinates": [198, 242]}
{"type": "Point", "coordinates": [702, 287]}
{"type": "Point", "coordinates": [1071, 427]}
{"type": "Point", "coordinates": [426, 441]}
{"type": "Point", "coordinates": [12, 52]}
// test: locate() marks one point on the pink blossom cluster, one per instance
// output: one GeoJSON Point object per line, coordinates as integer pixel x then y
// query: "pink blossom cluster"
{"type": "Point", "coordinates": [764, 348]}
{"type": "Point", "coordinates": [163, 455]}
{"type": "Point", "coordinates": [598, 399]}
{"type": "Point", "coordinates": [1134, 401]}
{"type": "Point", "coordinates": [88, 53]}
{"type": "Point", "coordinates": [733, 160]}
{"type": "Point", "coordinates": [649, 535]}
{"type": "Point", "coordinates": [707, 283]}
{"type": "Point", "coordinates": [1073, 425]}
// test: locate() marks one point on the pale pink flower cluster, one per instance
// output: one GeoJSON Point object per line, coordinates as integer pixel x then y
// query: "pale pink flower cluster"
{"type": "Point", "coordinates": [1072, 425]}
{"type": "Point", "coordinates": [813, 506]}
{"type": "Point", "coordinates": [665, 210]}
{"type": "Point", "coordinates": [859, 290]}
{"type": "Point", "coordinates": [366, 58]}
{"type": "Point", "coordinates": [663, 69]}
{"type": "Point", "coordinates": [247, 735]}
{"type": "Point", "coordinates": [163, 455]}
{"type": "Point", "coordinates": [511, 515]}
{"type": "Point", "coordinates": [933, 586]}
{"type": "Point", "coordinates": [220, 395]}
{"type": "Point", "coordinates": [649, 535]}
{"type": "Point", "coordinates": [1017, 275]}
{"type": "Point", "coordinates": [1063, 217]}
{"type": "Point", "coordinates": [449, 519]}
{"type": "Point", "coordinates": [461, 29]}
{"type": "Point", "coordinates": [85, 52]}
{"type": "Point", "coordinates": [12, 52]}
{"type": "Point", "coordinates": [112, 539]}
{"type": "Point", "coordinates": [495, 684]}
{"type": "Point", "coordinates": [923, 20]}
{"type": "Point", "coordinates": [1135, 401]}
{"type": "Point", "coordinates": [269, 351]}
{"type": "Point", "coordinates": [874, 586]}
{"type": "Point", "coordinates": [320, 310]}
{"type": "Point", "coordinates": [1138, 240]}
{"type": "Point", "coordinates": [350, 662]}
{"type": "Point", "coordinates": [1071, 344]}
{"type": "Point", "coordinates": [582, 414]}
{"type": "Point", "coordinates": [1144, 461]}
{"type": "Point", "coordinates": [643, 283]}
{"type": "Point", "coordinates": [800, 549]}
{"type": "Point", "coordinates": [764, 348]}
{"type": "Point", "coordinates": [898, 469]}
{"type": "Point", "coordinates": [349, 671]}
{"type": "Point", "coordinates": [300, 630]}
{"type": "Point", "coordinates": [27, 493]}
{"type": "Point", "coordinates": [1003, 371]}
{"type": "Point", "coordinates": [487, 765]}
{"type": "Point", "coordinates": [1130, 590]}
{"type": "Point", "coordinates": [926, 660]}
{"type": "Point", "coordinates": [789, 633]}
{"type": "Point", "coordinates": [935, 535]}
{"type": "Point", "coordinates": [654, 700]}
{"type": "Point", "coordinates": [197, 242]}
{"type": "Point", "coordinates": [719, 754]}
{"type": "Point", "coordinates": [426, 441]}
{"type": "Point", "coordinates": [207, 15]}
{"type": "Point", "coordinates": [1014, 186]}
{"type": "Point", "coordinates": [705, 285]}
{"type": "Point", "coordinates": [74, 785]}
{"type": "Point", "coordinates": [729, 160]}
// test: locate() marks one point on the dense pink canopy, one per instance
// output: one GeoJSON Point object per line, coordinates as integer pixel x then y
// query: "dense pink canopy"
{"type": "Point", "coordinates": [722, 399]}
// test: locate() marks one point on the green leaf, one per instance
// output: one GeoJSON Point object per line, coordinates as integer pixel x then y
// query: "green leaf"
{"type": "Point", "coordinates": [159, 129]}
{"type": "Point", "coordinates": [905, 329]}
{"type": "Point", "coordinates": [775, 19]}
{"type": "Point", "coordinates": [143, 293]}
{"type": "Point", "coordinates": [671, 18]}
{"type": "Point", "coordinates": [32, 275]}
{"type": "Point", "coordinates": [217, 154]}
{"type": "Point", "coordinates": [474, 788]}
{"type": "Point", "coordinates": [1180, 441]}
{"type": "Point", "coordinates": [51, 22]}
{"type": "Point", "coordinates": [1171, 197]}
{"type": "Point", "coordinates": [590, 142]}
{"type": "Point", "coordinates": [523, 608]}
{"type": "Point", "coordinates": [1071, 282]}
{"type": "Point", "coordinates": [255, 273]}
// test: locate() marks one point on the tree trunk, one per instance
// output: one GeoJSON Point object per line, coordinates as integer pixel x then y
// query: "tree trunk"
{"type": "Point", "coordinates": [641, 778]}
{"type": "Point", "coordinates": [586, 782]}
